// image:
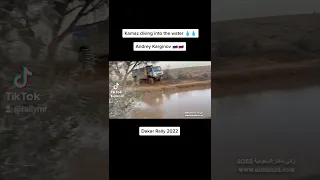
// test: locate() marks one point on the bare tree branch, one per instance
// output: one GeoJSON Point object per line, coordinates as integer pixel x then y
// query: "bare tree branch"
{"type": "Point", "coordinates": [136, 64]}
{"type": "Point", "coordinates": [72, 9]}
{"type": "Point", "coordinates": [115, 68]}
{"type": "Point", "coordinates": [74, 22]}
{"type": "Point", "coordinates": [95, 7]}
{"type": "Point", "coordinates": [61, 7]}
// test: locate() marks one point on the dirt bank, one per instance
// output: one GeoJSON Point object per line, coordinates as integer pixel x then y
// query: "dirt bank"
{"type": "Point", "coordinates": [294, 34]}
{"type": "Point", "coordinates": [169, 86]}
{"type": "Point", "coordinates": [258, 54]}
{"type": "Point", "coordinates": [267, 77]}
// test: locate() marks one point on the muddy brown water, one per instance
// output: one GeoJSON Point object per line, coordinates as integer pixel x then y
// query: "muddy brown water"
{"type": "Point", "coordinates": [174, 104]}
{"type": "Point", "coordinates": [274, 124]}
{"type": "Point", "coordinates": [91, 162]}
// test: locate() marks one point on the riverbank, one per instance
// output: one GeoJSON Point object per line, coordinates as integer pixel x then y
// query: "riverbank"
{"type": "Point", "coordinates": [267, 77]}
{"type": "Point", "coordinates": [258, 54]}
{"type": "Point", "coordinates": [171, 86]}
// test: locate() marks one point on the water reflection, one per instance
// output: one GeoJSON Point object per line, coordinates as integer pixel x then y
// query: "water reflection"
{"type": "Point", "coordinates": [277, 124]}
{"type": "Point", "coordinates": [174, 105]}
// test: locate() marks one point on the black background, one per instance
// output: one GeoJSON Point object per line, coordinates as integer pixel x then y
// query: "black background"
{"type": "Point", "coordinates": [160, 157]}
{"type": "Point", "coordinates": [173, 14]}
{"type": "Point", "coordinates": [157, 157]}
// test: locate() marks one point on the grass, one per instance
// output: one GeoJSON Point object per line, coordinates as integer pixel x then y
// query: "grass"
{"type": "Point", "coordinates": [188, 73]}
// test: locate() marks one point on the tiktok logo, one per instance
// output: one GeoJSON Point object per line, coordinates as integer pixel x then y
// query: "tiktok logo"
{"type": "Point", "coordinates": [21, 80]}
{"type": "Point", "coordinates": [115, 87]}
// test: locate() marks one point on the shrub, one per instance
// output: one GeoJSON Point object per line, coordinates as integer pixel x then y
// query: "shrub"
{"type": "Point", "coordinates": [229, 48]}
{"type": "Point", "coordinates": [167, 75]}
{"type": "Point", "coordinates": [205, 75]}
{"type": "Point", "coordinates": [37, 146]}
{"type": "Point", "coordinates": [182, 76]}
{"type": "Point", "coordinates": [121, 107]}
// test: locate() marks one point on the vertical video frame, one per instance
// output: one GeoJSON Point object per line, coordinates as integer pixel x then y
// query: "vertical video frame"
{"type": "Point", "coordinates": [160, 89]}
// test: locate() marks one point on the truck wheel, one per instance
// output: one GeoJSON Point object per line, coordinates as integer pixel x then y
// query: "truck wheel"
{"type": "Point", "coordinates": [150, 80]}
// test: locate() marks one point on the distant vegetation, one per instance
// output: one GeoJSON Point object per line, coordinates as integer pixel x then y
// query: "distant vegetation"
{"type": "Point", "coordinates": [188, 73]}
{"type": "Point", "coordinates": [294, 36]}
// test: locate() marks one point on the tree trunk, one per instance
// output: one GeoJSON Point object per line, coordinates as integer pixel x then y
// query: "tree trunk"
{"type": "Point", "coordinates": [52, 50]}
{"type": "Point", "coordinates": [125, 81]}
{"type": "Point", "coordinates": [50, 61]}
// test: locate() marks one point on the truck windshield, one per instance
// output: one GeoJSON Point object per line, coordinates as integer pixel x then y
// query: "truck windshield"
{"type": "Point", "coordinates": [157, 68]}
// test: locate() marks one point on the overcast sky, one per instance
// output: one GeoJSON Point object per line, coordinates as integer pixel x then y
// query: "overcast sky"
{"type": "Point", "coordinates": [181, 64]}
{"type": "Point", "coordinates": [238, 9]}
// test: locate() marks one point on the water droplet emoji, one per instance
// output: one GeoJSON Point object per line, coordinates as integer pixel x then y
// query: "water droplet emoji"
{"type": "Point", "coordinates": [187, 33]}
{"type": "Point", "coordinates": [193, 33]}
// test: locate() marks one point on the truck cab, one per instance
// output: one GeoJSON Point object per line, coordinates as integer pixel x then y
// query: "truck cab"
{"type": "Point", "coordinates": [157, 72]}
{"type": "Point", "coordinates": [149, 70]}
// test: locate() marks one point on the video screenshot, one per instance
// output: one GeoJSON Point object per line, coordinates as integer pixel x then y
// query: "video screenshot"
{"type": "Point", "coordinates": [160, 90]}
